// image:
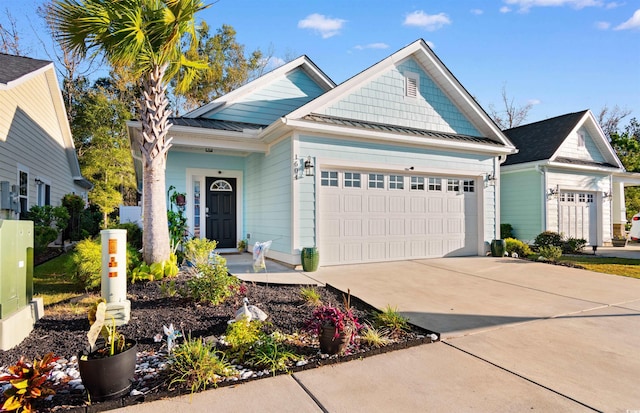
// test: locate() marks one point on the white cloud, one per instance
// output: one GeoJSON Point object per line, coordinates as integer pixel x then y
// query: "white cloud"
{"type": "Point", "coordinates": [477, 12]}
{"type": "Point", "coordinates": [430, 22]}
{"type": "Point", "coordinates": [372, 46]}
{"type": "Point", "coordinates": [327, 27]}
{"type": "Point", "coordinates": [534, 102]}
{"type": "Point", "coordinates": [603, 25]}
{"type": "Point", "coordinates": [525, 5]}
{"type": "Point", "coordinates": [430, 44]}
{"type": "Point", "coordinates": [505, 9]}
{"type": "Point", "coordinates": [274, 63]}
{"type": "Point", "coordinates": [632, 23]}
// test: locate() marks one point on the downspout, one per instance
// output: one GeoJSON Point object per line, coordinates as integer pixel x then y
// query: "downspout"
{"type": "Point", "coordinates": [543, 173]}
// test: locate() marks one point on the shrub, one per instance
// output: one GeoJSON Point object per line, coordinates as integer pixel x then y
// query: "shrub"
{"type": "Point", "coordinates": [74, 205]}
{"type": "Point", "coordinates": [391, 319]}
{"type": "Point", "coordinates": [272, 353]}
{"type": "Point", "coordinates": [375, 337]}
{"type": "Point", "coordinates": [517, 246]}
{"type": "Point", "coordinates": [551, 252]}
{"type": "Point", "coordinates": [85, 265]}
{"type": "Point", "coordinates": [197, 365]}
{"type": "Point", "coordinates": [48, 223]}
{"type": "Point", "coordinates": [211, 283]}
{"type": "Point", "coordinates": [311, 296]}
{"type": "Point", "coordinates": [197, 251]}
{"type": "Point", "coordinates": [573, 245]}
{"type": "Point", "coordinates": [506, 231]}
{"type": "Point", "coordinates": [242, 335]}
{"type": "Point", "coordinates": [90, 222]}
{"type": "Point", "coordinates": [27, 383]}
{"type": "Point", "coordinates": [134, 234]}
{"type": "Point", "coordinates": [548, 238]}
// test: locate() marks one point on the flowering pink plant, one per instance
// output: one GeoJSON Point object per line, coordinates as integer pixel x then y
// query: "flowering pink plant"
{"type": "Point", "coordinates": [334, 317]}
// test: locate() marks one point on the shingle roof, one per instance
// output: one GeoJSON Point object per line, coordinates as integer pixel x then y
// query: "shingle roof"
{"type": "Point", "coordinates": [381, 127]}
{"type": "Point", "coordinates": [14, 67]}
{"type": "Point", "coordinates": [224, 125]}
{"type": "Point", "coordinates": [540, 140]}
{"type": "Point", "coordinates": [572, 161]}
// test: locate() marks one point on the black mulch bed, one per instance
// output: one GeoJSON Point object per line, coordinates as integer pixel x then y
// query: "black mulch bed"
{"type": "Point", "coordinates": [65, 335]}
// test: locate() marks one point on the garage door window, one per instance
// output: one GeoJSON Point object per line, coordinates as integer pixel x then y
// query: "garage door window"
{"type": "Point", "coordinates": [453, 185]}
{"type": "Point", "coordinates": [396, 182]}
{"type": "Point", "coordinates": [417, 183]}
{"type": "Point", "coordinates": [376, 181]}
{"type": "Point", "coordinates": [469, 186]}
{"type": "Point", "coordinates": [329, 178]}
{"type": "Point", "coordinates": [351, 180]}
{"type": "Point", "coordinates": [435, 184]}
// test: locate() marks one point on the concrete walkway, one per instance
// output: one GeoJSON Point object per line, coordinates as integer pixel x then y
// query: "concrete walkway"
{"type": "Point", "coordinates": [517, 336]}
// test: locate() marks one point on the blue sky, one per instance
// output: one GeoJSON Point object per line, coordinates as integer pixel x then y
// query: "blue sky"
{"type": "Point", "coordinates": [560, 55]}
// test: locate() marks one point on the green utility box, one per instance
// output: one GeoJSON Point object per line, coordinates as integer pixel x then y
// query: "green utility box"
{"type": "Point", "coordinates": [16, 266]}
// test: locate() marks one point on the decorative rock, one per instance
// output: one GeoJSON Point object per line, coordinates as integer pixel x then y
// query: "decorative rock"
{"type": "Point", "coordinates": [246, 375]}
{"type": "Point", "coordinates": [135, 392]}
{"type": "Point", "coordinates": [302, 363]}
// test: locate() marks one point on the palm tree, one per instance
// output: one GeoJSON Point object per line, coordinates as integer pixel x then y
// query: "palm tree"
{"type": "Point", "coordinates": [148, 38]}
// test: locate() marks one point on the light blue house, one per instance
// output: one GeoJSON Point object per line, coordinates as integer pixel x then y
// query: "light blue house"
{"type": "Point", "coordinates": [397, 162]}
{"type": "Point", "coordinates": [565, 178]}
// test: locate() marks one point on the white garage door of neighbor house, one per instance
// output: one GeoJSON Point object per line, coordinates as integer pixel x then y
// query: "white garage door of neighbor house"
{"type": "Point", "coordinates": [578, 215]}
{"type": "Point", "coordinates": [373, 217]}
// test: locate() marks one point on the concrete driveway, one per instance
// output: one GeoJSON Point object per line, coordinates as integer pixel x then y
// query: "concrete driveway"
{"type": "Point", "coordinates": [571, 334]}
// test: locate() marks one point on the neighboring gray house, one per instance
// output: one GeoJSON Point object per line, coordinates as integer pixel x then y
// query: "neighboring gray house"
{"type": "Point", "coordinates": [38, 163]}
{"type": "Point", "coordinates": [397, 162]}
{"type": "Point", "coordinates": [562, 180]}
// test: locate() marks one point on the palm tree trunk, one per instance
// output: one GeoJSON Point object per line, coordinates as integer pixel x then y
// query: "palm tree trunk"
{"type": "Point", "coordinates": [154, 146]}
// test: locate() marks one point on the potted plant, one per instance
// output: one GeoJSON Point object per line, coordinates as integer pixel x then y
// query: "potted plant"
{"type": "Point", "coordinates": [334, 327]}
{"type": "Point", "coordinates": [242, 245]}
{"type": "Point", "coordinates": [108, 365]}
{"type": "Point", "coordinates": [619, 241]}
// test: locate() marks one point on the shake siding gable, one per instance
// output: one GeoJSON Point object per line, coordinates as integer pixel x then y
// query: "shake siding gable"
{"type": "Point", "coordinates": [383, 100]}
{"type": "Point", "coordinates": [31, 135]}
{"type": "Point", "coordinates": [590, 152]}
{"type": "Point", "coordinates": [268, 197]}
{"type": "Point", "coordinates": [265, 105]}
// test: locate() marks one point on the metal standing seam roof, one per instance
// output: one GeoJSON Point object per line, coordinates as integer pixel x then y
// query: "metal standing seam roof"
{"type": "Point", "coordinates": [222, 125]}
{"type": "Point", "coordinates": [382, 127]}
{"type": "Point", "coordinates": [14, 67]}
{"type": "Point", "coordinates": [572, 161]}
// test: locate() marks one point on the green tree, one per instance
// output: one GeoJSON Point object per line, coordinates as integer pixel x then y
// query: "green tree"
{"type": "Point", "coordinates": [228, 67]}
{"type": "Point", "coordinates": [627, 147]}
{"type": "Point", "coordinates": [103, 146]}
{"type": "Point", "coordinates": [148, 38]}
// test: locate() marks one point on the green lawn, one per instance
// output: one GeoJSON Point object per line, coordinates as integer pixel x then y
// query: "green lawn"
{"type": "Point", "coordinates": [51, 282]}
{"type": "Point", "coordinates": [617, 266]}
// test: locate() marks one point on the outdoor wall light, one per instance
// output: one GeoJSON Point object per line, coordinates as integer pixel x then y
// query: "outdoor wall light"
{"type": "Point", "coordinates": [308, 167]}
{"type": "Point", "coordinates": [491, 179]}
{"type": "Point", "coordinates": [39, 181]}
{"type": "Point", "coordinates": [606, 195]}
{"type": "Point", "coordinates": [553, 191]}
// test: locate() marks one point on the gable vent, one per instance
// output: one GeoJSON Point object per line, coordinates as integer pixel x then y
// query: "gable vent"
{"type": "Point", "coordinates": [412, 86]}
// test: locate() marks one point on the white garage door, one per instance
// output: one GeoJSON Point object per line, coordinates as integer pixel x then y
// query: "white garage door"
{"type": "Point", "coordinates": [370, 217]}
{"type": "Point", "coordinates": [578, 216]}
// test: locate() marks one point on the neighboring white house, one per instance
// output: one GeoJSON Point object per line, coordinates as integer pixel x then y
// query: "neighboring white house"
{"type": "Point", "coordinates": [38, 163]}
{"type": "Point", "coordinates": [397, 162]}
{"type": "Point", "coordinates": [562, 180]}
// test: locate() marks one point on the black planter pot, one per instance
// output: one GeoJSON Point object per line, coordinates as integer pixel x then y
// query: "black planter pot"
{"type": "Point", "coordinates": [108, 377]}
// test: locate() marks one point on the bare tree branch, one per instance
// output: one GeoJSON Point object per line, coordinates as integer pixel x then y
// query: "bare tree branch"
{"type": "Point", "coordinates": [512, 115]}
{"type": "Point", "coordinates": [609, 119]}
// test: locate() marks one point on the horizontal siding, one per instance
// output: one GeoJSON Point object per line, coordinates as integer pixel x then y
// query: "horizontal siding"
{"type": "Point", "coordinates": [590, 152]}
{"type": "Point", "coordinates": [521, 203]}
{"type": "Point", "coordinates": [267, 104]}
{"type": "Point", "coordinates": [31, 135]}
{"type": "Point", "coordinates": [268, 197]}
{"type": "Point", "coordinates": [383, 100]}
{"type": "Point", "coordinates": [178, 162]}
